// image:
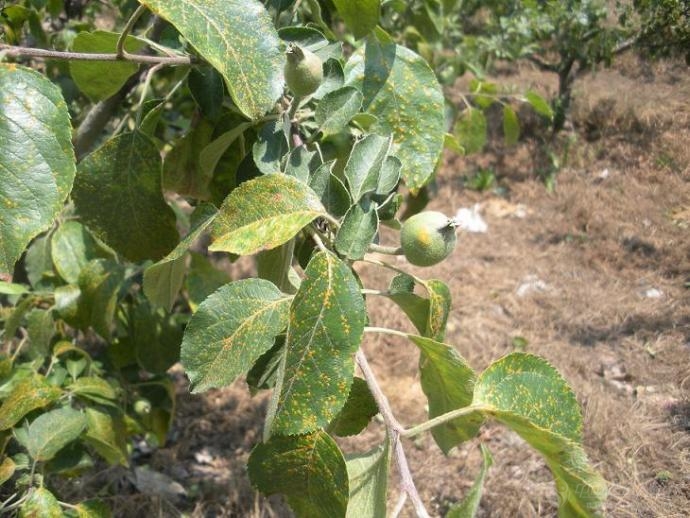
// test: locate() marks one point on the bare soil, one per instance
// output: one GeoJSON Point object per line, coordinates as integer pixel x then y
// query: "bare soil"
{"type": "Point", "coordinates": [594, 276]}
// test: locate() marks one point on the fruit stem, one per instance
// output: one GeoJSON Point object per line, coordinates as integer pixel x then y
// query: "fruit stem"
{"type": "Point", "coordinates": [394, 268]}
{"type": "Point", "coordinates": [388, 250]}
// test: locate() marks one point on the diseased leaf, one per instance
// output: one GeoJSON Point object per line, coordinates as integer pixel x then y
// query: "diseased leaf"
{"type": "Point", "coordinates": [359, 408]}
{"type": "Point", "coordinates": [528, 395]}
{"type": "Point", "coordinates": [99, 282]}
{"type": "Point", "coordinates": [447, 380]}
{"type": "Point", "coordinates": [7, 469]}
{"type": "Point", "coordinates": [402, 91]}
{"type": "Point", "coordinates": [336, 108]}
{"type": "Point", "coordinates": [470, 504]}
{"type": "Point", "coordinates": [238, 38]}
{"type": "Point", "coordinates": [94, 388]}
{"type": "Point", "coordinates": [36, 158]}
{"type": "Point", "coordinates": [118, 194]}
{"type": "Point", "coordinates": [93, 508]}
{"type": "Point", "coordinates": [357, 231]}
{"type": "Point", "coordinates": [325, 329]}
{"type": "Point", "coordinates": [231, 329]}
{"type": "Point", "coordinates": [40, 504]}
{"type": "Point", "coordinates": [163, 280]}
{"type": "Point", "coordinates": [106, 433]}
{"type": "Point", "coordinates": [361, 16]}
{"type": "Point", "coordinates": [368, 474]}
{"type": "Point", "coordinates": [415, 307]}
{"type": "Point", "coordinates": [29, 394]}
{"type": "Point", "coordinates": [41, 328]}
{"type": "Point", "coordinates": [264, 213]}
{"type": "Point", "coordinates": [439, 309]}
{"type": "Point", "coordinates": [52, 431]}
{"type": "Point", "coordinates": [102, 79]}
{"type": "Point", "coordinates": [308, 469]}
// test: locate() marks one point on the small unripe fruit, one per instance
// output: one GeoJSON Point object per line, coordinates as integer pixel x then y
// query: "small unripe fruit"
{"type": "Point", "coordinates": [142, 407]}
{"type": "Point", "coordinates": [303, 71]}
{"type": "Point", "coordinates": [428, 238]}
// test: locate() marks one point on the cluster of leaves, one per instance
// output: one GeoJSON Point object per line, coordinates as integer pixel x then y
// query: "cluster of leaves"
{"type": "Point", "coordinates": [662, 27]}
{"type": "Point", "coordinates": [101, 295]}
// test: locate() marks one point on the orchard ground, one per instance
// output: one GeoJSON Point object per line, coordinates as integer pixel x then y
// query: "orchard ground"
{"type": "Point", "coordinates": [595, 277]}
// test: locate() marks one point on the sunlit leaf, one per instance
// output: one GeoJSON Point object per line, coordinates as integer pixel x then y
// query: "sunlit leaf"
{"type": "Point", "coordinates": [230, 330]}
{"type": "Point", "coordinates": [238, 38]}
{"type": "Point", "coordinates": [52, 431]}
{"type": "Point", "coordinates": [29, 394]}
{"type": "Point", "coordinates": [368, 474]}
{"type": "Point", "coordinates": [325, 329]}
{"type": "Point", "coordinates": [264, 213]}
{"type": "Point", "coordinates": [402, 91]}
{"type": "Point", "coordinates": [36, 158]}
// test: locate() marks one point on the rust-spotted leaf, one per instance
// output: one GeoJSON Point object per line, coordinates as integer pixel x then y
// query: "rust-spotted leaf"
{"type": "Point", "coordinates": [264, 213]}
{"type": "Point", "coordinates": [29, 394]}
{"type": "Point", "coordinates": [308, 469]}
{"type": "Point", "coordinates": [238, 38]}
{"type": "Point", "coordinates": [530, 396]}
{"type": "Point", "coordinates": [324, 331]}
{"type": "Point", "coordinates": [37, 165]}
{"type": "Point", "coordinates": [231, 329]}
{"type": "Point", "coordinates": [401, 90]}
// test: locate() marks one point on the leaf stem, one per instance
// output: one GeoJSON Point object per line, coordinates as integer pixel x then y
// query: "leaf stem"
{"type": "Point", "coordinates": [394, 429]}
{"type": "Point", "coordinates": [120, 46]}
{"type": "Point", "coordinates": [443, 418]}
{"type": "Point", "coordinates": [386, 331]}
{"type": "Point", "coordinates": [14, 51]}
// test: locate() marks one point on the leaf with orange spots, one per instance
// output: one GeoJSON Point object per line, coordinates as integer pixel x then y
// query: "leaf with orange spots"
{"type": "Point", "coordinates": [325, 329]}
{"type": "Point", "coordinates": [238, 38]}
{"type": "Point", "coordinates": [308, 469]}
{"type": "Point", "coordinates": [527, 394]}
{"type": "Point", "coordinates": [401, 90]}
{"type": "Point", "coordinates": [29, 394]}
{"type": "Point", "coordinates": [36, 158]}
{"type": "Point", "coordinates": [439, 309]}
{"type": "Point", "coordinates": [264, 213]}
{"type": "Point", "coordinates": [231, 329]}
